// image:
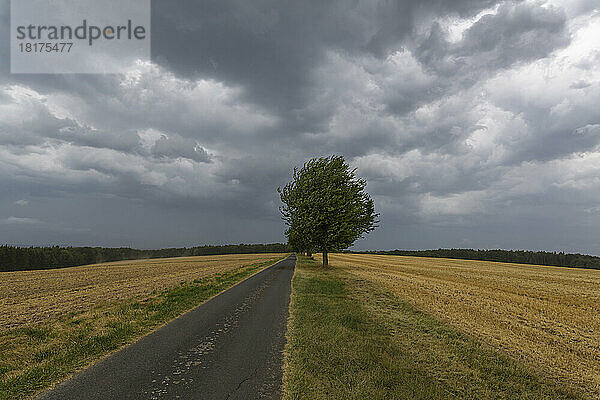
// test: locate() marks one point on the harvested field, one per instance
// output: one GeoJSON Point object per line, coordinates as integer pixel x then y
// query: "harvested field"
{"type": "Point", "coordinates": [547, 317]}
{"type": "Point", "coordinates": [64, 320]}
{"type": "Point", "coordinates": [34, 296]}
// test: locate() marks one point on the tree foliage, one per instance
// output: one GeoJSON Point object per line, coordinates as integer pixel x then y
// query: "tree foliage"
{"type": "Point", "coordinates": [326, 207]}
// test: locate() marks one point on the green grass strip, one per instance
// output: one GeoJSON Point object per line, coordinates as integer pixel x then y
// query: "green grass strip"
{"type": "Point", "coordinates": [349, 339]}
{"type": "Point", "coordinates": [35, 357]}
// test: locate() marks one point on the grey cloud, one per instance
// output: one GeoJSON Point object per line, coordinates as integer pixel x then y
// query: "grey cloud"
{"type": "Point", "coordinates": [270, 48]}
{"type": "Point", "coordinates": [580, 84]}
{"type": "Point", "coordinates": [175, 146]}
{"type": "Point", "coordinates": [518, 32]}
{"type": "Point", "coordinates": [590, 61]}
{"type": "Point", "coordinates": [126, 141]}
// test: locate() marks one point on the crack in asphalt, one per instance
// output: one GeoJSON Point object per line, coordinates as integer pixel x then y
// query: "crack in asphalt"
{"type": "Point", "coordinates": [241, 383]}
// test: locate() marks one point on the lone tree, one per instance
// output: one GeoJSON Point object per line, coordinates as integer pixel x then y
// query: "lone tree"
{"type": "Point", "coordinates": [326, 207]}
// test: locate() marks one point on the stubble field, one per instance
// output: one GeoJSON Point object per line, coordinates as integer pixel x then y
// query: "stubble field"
{"type": "Point", "coordinates": [34, 296]}
{"type": "Point", "coordinates": [56, 322]}
{"type": "Point", "coordinates": [546, 317]}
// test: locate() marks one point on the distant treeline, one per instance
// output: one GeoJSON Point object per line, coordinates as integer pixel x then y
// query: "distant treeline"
{"type": "Point", "coordinates": [511, 256]}
{"type": "Point", "coordinates": [27, 258]}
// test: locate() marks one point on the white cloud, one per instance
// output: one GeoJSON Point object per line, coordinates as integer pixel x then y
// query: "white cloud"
{"type": "Point", "coordinates": [20, 221]}
{"type": "Point", "coordinates": [457, 26]}
{"type": "Point", "coordinates": [467, 203]}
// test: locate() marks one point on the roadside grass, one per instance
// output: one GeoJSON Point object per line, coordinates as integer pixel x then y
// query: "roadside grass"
{"type": "Point", "coordinates": [37, 356]}
{"type": "Point", "coordinates": [350, 339]}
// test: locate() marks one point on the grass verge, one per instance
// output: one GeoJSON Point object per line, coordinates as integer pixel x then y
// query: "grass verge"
{"type": "Point", "coordinates": [35, 357]}
{"type": "Point", "coordinates": [350, 339]}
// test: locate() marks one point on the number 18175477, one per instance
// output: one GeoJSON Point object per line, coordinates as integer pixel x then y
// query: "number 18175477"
{"type": "Point", "coordinates": [42, 47]}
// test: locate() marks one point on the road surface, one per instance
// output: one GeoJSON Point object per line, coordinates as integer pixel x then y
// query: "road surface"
{"type": "Point", "coordinates": [227, 348]}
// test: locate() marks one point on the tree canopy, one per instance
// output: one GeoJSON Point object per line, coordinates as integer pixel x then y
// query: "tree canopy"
{"type": "Point", "coordinates": [326, 207]}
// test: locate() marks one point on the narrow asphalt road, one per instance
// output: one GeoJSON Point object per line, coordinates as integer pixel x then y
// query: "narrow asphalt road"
{"type": "Point", "coordinates": [227, 348]}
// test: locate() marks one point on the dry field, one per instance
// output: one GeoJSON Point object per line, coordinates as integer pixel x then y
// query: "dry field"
{"type": "Point", "coordinates": [547, 317]}
{"type": "Point", "coordinates": [34, 296]}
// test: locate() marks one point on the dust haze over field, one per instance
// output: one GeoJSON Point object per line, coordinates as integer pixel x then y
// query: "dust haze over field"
{"type": "Point", "coordinates": [546, 317]}
{"type": "Point", "coordinates": [472, 121]}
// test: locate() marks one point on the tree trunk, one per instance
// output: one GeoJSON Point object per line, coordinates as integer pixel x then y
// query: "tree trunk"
{"type": "Point", "coordinates": [309, 253]}
{"type": "Point", "coordinates": [325, 258]}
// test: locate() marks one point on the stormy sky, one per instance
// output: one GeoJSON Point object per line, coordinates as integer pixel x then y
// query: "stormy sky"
{"type": "Point", "coordinates": [475, 124]}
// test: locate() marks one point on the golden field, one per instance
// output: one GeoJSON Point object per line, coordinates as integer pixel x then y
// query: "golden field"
{"type": "Point", "coordinates": [546, 317]}
{"type": "Point", "coordinates": [34, 296]}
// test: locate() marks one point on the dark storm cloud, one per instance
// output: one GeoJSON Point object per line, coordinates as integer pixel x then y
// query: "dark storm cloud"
{"type": "Point", "coordinates": [176, 146]}
{"type": "Point", "coordinates": [115, 140]}
{"type": "Point", "coordinates": [516, 33]}
{"type": "Point", "coordinates": [464, 116]}
{"type": "Point", "coordinates": [519, 32]}
{"type": "Point", "coordinates": [272, 47]}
